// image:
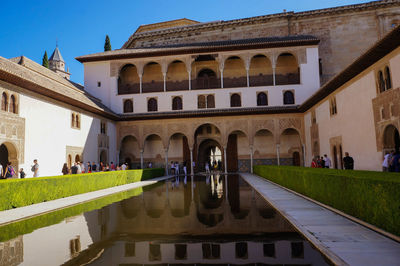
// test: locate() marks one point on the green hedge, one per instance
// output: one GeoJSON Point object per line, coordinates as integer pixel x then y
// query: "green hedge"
{"type": "Point", "coordinates": [26, 226]}
{"type": "Point", "coordinates": [373, 197]}
{"type": "Point", "coordinates": [21, 192]}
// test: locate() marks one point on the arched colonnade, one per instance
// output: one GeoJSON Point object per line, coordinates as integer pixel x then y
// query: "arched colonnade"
{"type": "Point", "coordinates": [233, 145]}
{"type": "Point", "coordinates": [207, 71]}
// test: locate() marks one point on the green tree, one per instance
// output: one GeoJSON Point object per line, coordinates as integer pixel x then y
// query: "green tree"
{"type": "Point", "coordinates": [107, 44]}
{"type": "Point", "coordinates": [45, 60]}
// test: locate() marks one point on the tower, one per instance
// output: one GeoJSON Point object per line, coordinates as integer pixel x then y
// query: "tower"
{"type": "Point", "coordinates": [57, 64]}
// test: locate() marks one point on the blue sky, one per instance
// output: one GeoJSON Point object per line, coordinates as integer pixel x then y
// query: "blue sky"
{"type": "Point", "coordinates": [30, 27]}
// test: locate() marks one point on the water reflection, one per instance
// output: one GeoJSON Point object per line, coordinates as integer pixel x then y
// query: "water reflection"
{"type": "Point", "coordinates": [213, 219]}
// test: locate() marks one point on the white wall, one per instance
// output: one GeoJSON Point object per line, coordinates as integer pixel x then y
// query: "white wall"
{"type": "Point", "coordinates": [48, 131]}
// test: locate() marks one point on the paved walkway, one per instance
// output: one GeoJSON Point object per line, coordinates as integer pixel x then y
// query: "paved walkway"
{"type": "Point", "coordinates": [17, 214]}
{"type": "Point", "coordinates": [340, 239]}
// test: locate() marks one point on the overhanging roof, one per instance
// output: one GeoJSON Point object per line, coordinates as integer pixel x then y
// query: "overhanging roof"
{"type": "Point", "coordinates": [202, 47]}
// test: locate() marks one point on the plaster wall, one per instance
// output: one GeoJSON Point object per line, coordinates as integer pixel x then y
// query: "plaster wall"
{"type": "Point", "coordinates": [48, 131]}
{"type": "Point", "coordinates": [352, 122]}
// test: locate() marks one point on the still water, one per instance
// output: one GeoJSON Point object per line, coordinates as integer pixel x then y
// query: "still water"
{"type": "Point", "coordinates": [210, 220]}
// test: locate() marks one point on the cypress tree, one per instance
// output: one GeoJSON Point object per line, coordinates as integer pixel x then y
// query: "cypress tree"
{"type": "Point", "coordinates": [107, 44]}
{"type": "Point", "coordinates": [45, 60]}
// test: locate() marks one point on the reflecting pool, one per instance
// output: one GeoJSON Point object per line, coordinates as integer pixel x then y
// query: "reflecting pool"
{"type": "Point", "coordinates": [214, 220]}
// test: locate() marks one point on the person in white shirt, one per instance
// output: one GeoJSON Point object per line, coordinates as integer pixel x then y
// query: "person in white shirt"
{"type": "Point", "coordinates": [78, 165]}
{"type": "Point", "coordinates": [327, 161]}
{"type": "Point", "coordinates": [1, 170]}
{"type": "Point", "coordinates": [123, 166]}
{"type": "Point", "coordinates": [385, 164]}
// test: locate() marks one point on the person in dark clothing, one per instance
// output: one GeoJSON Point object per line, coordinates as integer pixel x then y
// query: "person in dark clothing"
{"type": "Point", "coordinates": [74, 169]}
{"type": "Point", "coordinates": [94, 167]}
{"type": "Point", "coordinates": [65, 170]}
{"type": "Point", "coordinates": [22, 173]}
{"type": "Point", "coordinates": [348, 162]}
{"type": "Point", "coordinates": [396, 162]}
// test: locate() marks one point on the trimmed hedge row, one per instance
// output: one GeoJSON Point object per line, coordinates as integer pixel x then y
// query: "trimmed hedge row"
{"type": "Point", "coordinates": [373, 197]}
{"type": "Point", "coordinates": [21, 192]}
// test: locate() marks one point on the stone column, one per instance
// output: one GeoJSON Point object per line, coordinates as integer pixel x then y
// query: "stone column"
{"type": "Point", "coordinates": [141, 83]}
{"type": "Point", "coordinates": [190, 80]}
{"type": "Point", "coordinates": [226, 188]}
{"type": "Point", "coordinates": [222, 77]}
{"type": "Point", "coordinates": [166, 161]}
{"type": "Point", "coordinates": [273, 75]}
{"type": "Point", "coordinates": [191, 162]}
{"type": "Point", "coordinates": [225, 161]}
{"type": "Point", "coordinates": [277, 154]}
{"type": "Point", "coordinates": [141, 158]}
{"type": "Point", "coordinates": [165, 81]}
{"type": "Point", "coordinates": [248, 79]}
{"type": "Point", "coordinates": [251, 158]}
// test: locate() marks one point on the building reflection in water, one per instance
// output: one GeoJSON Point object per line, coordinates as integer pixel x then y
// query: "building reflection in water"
{"type": "Point", "coordinates": [215, 219]}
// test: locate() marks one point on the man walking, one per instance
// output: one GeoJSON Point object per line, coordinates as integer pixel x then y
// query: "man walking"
{"type": "Point", "coordinates": [327, 161]}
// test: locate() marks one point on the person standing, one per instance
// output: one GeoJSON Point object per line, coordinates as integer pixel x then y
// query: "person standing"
{"type": "Point", "coordinates": [207, 168]}
{"type": "Point", "coordinates": [9, 171]}
{"type": "Point", "coordinates": [184, 168]}
{"type": "Point", "coordinates": [74, 169]}
{"type": "Point", "coordinates": [327, 161]}
{"type": "Point", "coordinates": [385, 163]}
{"type": "Point", "coordinates": [348, 162]}
{"type": "Point", "coordinates": [65, 170]}
{"type": "Point", "coordinates": [89, 167]}
{"type": "Point", "coordinates": [35, 168]}
{"type": "Point", "coordinates": [123, 166]}
{"type": "Point", "coordinates": [396, 162]}
{"type": "Point", "coordinates": [314, 163]}
{"type": "Point", "coordinates": [21, 173]}
{"type": "Point", "coordinates": [78, 166]}
{"type": "Point", "coordinates": [83, 168]}
{"type": "Point", "coordinates": [94, 167]}
{"type": "Point", "coordinates": [1, 171]}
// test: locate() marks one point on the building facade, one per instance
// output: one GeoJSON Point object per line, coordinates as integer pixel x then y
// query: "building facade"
{"type": "Point", "coordinates": [275, 89]}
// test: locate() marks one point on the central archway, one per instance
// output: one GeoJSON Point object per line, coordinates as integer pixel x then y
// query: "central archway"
{"type": "Point", "coordinates": [210, 151]}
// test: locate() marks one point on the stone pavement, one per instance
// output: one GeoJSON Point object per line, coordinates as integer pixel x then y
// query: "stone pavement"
{"type": "Point", "coordinates": [17, 214]}
{"type": "Point", "coordinates": [343, 241]}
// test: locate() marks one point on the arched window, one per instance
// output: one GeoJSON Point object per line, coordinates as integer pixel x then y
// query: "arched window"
{"type": "Point", "coordinates": [177, 103]}
{"type": "Point", "coordinates": [262, 99]}
{"type": "Point", "coordinates": [13, 105]}
{"type": "Point", "coordinates": [72, 120]}
{"type": "Point", "coordinates": [128, 106]}
{"type": "Point", "coordinates": [381, 82]}
{"type": "Point", "coordinates": [288, 97]}
{"type": "Point", "coordinates": [152, 105]}
{"type": "Point", "coordinates": [206, 79]}
{"type": "Point", "coordinates": [201, 101]}
{"type": "Point", "coordinates": [4, 102]}
{"type": "Point", "coordinates": [210, 101]}
{"type": "Point", "coordinates": [235, 100]}
{"type": "Point", "coordinates": [77, 121]}
{"type": "Point", "coordinates": [388, 78]}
